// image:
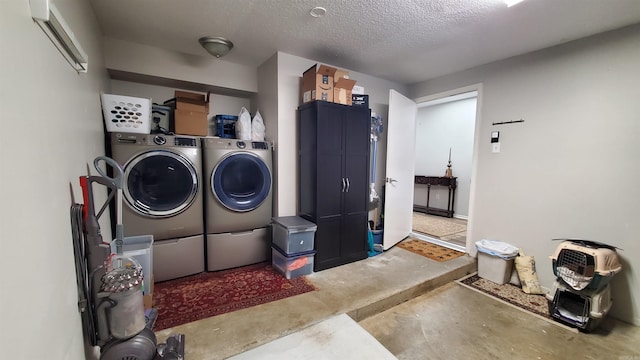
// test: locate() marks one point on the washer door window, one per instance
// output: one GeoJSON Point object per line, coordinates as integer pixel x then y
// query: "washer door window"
{"type": "Point", "coordinates": [160, 183]}
{"type": "Point", "coordinates": [241, 181]}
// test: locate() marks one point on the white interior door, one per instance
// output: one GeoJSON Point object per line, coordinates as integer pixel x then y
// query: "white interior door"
{"type": "Point", "coordinates": [400, 170]}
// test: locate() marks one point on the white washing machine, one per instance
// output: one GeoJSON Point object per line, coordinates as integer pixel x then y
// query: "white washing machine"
{"type": "Point", "coordinates": [163, 197]}
{"type": "Point", "coordinates": [238, 201]}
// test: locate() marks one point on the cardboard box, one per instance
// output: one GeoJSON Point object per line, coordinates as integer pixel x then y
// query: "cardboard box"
{"type": "Point", "coordinates": [192, 101]}
{"type": "Point", "coordinates": [191, 123]}
{"type": "Point", "coordinates": [191, 113]}
{"type": "Point", "coordinates": [317, 83]}
{"type": "Point", "coordinates": [340, 74]}
{"type": "Point", "coordinates": [342, 91]}
{"type": "Point", "coordinates": [360, 100]}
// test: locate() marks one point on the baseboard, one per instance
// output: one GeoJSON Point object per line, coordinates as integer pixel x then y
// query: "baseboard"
{"type": "Point", "coordinates": [438, 242]}
{"type": "Point", "coordinates": [545, 289]}
{"type": "Point", "coordinates": [461, 217]}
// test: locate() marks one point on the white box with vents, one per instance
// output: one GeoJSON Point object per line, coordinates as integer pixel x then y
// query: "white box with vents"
{"type": "Point", "coordinates": [126, 113]}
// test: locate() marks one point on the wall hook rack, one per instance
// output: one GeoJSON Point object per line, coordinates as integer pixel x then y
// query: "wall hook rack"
{"type": "Point", "coordinates": [508, 122]}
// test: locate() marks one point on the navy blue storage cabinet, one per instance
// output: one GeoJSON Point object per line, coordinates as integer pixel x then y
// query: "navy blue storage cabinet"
{"type": "Point", "coordinates": [333, 154]}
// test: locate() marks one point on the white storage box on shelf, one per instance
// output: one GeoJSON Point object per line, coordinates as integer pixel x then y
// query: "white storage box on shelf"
{"type": "Point", "coordinates": [581, 309]}
{"type": "Point", "coordinates": [141, 249]}
{"type": "Point", "coordinates": [126, 113]}
{"type": "Point", "coordinates": [583, 264]}
{"type": "Point", "coordinates": [293, 234]}
{"type": "Point", "coordinates": [495, 260]}
{"type": "Point", "coordinates": [292, 265]}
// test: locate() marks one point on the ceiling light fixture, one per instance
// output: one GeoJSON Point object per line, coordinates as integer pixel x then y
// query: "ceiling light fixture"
{"type": "Point", "coordinates": [216, 46]}
{"type": "Point", "coordinates": [318, 11]}
{"type": "Point", "coordinates": [510, 3]}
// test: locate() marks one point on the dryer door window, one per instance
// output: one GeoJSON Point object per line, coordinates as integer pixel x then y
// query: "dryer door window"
{"type": "Point", "coordinates": [241, 181]}
{"type": "Point", "coordinates": [160, 183]}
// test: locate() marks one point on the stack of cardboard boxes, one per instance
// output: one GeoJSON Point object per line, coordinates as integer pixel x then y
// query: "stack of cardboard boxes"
{"type": "Point", "coordinates": [191, 111]}
{"type": "Point", "coordinates": [330, 84]}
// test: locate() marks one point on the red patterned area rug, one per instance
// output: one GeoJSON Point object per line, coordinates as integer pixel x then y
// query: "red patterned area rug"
{"type": "Point", "coordinates": [213, 293]}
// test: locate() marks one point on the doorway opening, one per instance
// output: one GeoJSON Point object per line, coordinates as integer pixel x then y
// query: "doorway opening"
{"type": "Point", "coordinates": [446, 127]}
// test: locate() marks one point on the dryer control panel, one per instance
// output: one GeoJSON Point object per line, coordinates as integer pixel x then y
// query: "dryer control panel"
{"type": "Point", "coordinates": [260, 145]}
{"type": "Point", "coordinates": [185, 141]}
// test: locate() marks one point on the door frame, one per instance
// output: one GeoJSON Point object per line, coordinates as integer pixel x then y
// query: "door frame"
{"type": "Point", "coordinates": [478, 87]}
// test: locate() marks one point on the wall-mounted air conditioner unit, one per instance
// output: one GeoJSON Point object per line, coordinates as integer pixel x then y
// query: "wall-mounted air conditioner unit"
{"type": "Point", "coordinates": [48, 17]}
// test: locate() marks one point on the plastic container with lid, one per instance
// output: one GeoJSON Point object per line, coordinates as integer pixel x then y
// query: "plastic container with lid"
{"type": "Point", "coordinates": [293, 234]}
{"type": "Point", "coordinates": [292, 265]}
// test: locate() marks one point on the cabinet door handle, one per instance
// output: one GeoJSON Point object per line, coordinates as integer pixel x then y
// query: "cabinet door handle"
{"type": "Point", "coordinates": [348, 185]}
{"type": "Point", "coordinates": [343, 185]}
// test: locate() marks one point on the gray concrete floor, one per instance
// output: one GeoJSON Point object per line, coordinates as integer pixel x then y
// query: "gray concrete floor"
{"type": "Point", "coordinates": [454, 322]}
{"type": "Point", "coordinates": [410, 305]}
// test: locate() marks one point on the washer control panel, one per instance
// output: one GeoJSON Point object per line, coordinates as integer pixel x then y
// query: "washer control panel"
{"type": "Point", "coordinates": [260, 145]}
{"type": "Point", "coordinates": [185, 141]}
{"type": "Point", "coordinates": [159, 140]}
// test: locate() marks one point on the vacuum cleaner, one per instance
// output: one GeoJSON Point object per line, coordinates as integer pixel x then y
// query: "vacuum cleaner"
{"type": "Point", "coordinates": [110, 285]}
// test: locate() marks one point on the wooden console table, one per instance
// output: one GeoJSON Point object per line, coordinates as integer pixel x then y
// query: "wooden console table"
{"type": "Point", "coordinates": [437, 181]}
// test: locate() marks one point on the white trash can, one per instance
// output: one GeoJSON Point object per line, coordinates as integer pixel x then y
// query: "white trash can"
{"type": "Point", "coordinates": [495, 260]}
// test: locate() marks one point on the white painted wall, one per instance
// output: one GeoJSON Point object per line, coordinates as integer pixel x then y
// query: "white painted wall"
{"type": "Point", "coordinates": [439, 128]}
{"type": "Point", "coordinates": [151, 61]}
{"type": "Point", "coordinates": [570, 169]}
{"type": "Point", "coordinates": [52, 128]}
{"type": "Point", "coordinates": [290, 69]}
{"type": "Point", "coordinates": [267, 103]}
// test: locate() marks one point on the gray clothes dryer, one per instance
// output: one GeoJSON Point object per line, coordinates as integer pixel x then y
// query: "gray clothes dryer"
{"type": "Point", "coordinates": [238, 201]}
{"type": "Point", "coordinates": [163, 198]}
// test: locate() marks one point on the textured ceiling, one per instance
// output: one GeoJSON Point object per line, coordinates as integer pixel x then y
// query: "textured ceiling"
{"type": "Point", "coordinates": [405, 41]}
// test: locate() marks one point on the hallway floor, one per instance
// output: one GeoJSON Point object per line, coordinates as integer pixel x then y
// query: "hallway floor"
{"type": "Point", "coordinates": [409, 304]}
{"type": "Point", "coordinates": [458, 239]}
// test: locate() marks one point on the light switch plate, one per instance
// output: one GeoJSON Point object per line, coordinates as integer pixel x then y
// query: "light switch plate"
{"type": "Point", "coordinates": [495, 147]}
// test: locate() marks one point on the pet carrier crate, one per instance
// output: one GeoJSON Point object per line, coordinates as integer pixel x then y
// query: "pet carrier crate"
{"type": "Point", "coordinates": [585, 265]}
{"type": "Point", "coordinates": [581, 309]}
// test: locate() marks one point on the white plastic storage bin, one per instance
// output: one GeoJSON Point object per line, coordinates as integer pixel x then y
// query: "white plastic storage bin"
{"type": "Point", "coordinates": [495, 260]}
{"type": "Point", "coordinates": [494, 268]}
{"type": "Point", "coordinates": [292, 265]}
{"type": "Point", "coordinates": [126, 113]}
{"type": "Point", "coordinates": [293, 234]}
{"type": "Point", "coordinates": [141, 249]}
